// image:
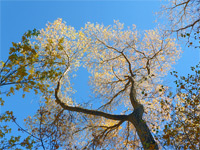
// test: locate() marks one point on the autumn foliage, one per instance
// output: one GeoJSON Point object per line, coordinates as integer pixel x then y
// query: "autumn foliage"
{"type": "Point", "coordinates": [129, 107]}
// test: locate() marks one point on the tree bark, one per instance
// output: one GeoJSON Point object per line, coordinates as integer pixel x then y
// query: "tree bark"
{"type": "Point", "coordinates": [135, 118]}
{"type": "Point", "coordinates": [142, 129]}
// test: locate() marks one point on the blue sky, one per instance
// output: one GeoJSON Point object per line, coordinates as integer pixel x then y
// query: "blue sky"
{"type": "Point", "coordinates": [19, 16]}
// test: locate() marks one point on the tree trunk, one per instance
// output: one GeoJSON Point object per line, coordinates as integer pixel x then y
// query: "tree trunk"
{"type": "Point", "coordinates": [143, 131]}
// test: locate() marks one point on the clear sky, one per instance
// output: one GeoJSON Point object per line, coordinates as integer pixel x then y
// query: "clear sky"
{"type": "Point", "coordinates": [19, 16]}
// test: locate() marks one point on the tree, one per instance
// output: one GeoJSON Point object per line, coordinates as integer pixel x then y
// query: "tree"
{"type": "Point", "coordinates": [183, 130]}
{"type": "Point", "coordinates": [184, 19]}
{"type": "Point", "coordinates": [13, 72]}
{"type": "Point", "coordinates": [126, 70]}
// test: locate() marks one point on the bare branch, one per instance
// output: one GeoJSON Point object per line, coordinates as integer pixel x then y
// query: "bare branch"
{"type": "Point", "coordinates": [115, 74]}
{"type": "Point", "coordinates": [117, 94]}
{"type": "Point", "coordinates": [176, 5]}
{"type": "Point", "coordinates": [121, 52]}
{"type": "Point", "coordinates": [188, 26]}
{"type": "Point", "coordinates": [22, 129]}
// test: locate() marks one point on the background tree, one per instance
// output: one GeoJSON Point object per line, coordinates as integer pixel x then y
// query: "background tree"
{"type": "Point", "coordinates": [183, 130]}
{"type": "Point", "coordinates": [13, 75]}
{"type": "Point", "coordinates": [184, 19]}
{"type": "Point", "coordinates": [28, 69]}
{"type": "Point", "coordinates": [126, 70]}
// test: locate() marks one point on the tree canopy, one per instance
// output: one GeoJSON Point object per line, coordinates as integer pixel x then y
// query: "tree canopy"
{"type": "Point", "coordinates": [129, 107]}
{"type": "Point", "coordinates": [126, 70]}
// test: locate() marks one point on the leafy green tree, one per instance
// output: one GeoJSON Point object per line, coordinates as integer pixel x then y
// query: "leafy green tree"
{"type": "Point", "coordinates": [13, 74]}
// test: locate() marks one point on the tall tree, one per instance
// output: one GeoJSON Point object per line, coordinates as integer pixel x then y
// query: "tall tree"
{"type": "Point", "coordinates": [126, 68]}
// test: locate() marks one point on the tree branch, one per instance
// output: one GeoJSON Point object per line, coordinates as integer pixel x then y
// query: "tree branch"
{"type": "Point", "coordinates": [121, 52]}
{"type": "Point", "coordinates": [133, 99]}
{"type": "Point", "coordinates": [188, 26]}
{"type": "Point", "coordinates": [83, 110]}
{"type": "Point", "coordinates": [117, 94]}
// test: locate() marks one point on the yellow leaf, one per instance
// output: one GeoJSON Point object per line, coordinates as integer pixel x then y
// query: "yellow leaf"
{"type": "Point", "coordinates": [31, 71]}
